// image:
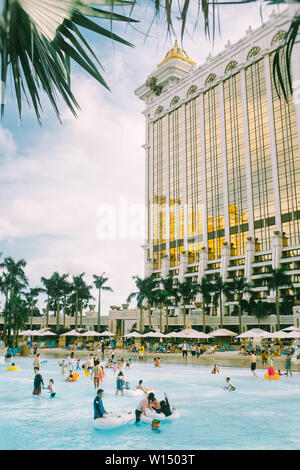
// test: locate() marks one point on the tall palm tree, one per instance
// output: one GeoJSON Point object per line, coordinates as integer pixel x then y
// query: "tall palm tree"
{"type": "Point", "coordinates": [278, 278]}
{"type": "Point", "coordinates": [56, 293]}
{"type": "Point", "coordinates": [15, 281]}
{"type": "Point", "coordinates": [159, 300]}
{"type": "Point", "coordinates": [260, 310]}
{"type": "Point", "coordinates": [99, 282]}
{"type": "Point", "coordinates": [219, 287]}
{"type": "Point", "coordinates": [32, 299]}
{"type": "Point", "coordinates": [239, 286]}
{"type": "Point", "coordinates": [172, 298]}
{"type": "Point", "coordinates": [143, 294]}
{"type": "Point", "coordinates": [18, 311]}
{"type": "Point", "coordinates": [47, 289]}
{"type": "Point", "coordinates": [186, 291]}
{"type": "Point", "coordinates": [38, 41]}
{"type": "Point", "coordinates": [205, 287]}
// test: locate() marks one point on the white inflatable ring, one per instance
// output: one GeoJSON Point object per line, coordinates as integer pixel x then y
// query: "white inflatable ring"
{"type": "Point", "coordinates": [134, 393]}
{"type": "Point", "coordinates": [150, 415]}
{"type": "Point", "coordinates": [114, 420]}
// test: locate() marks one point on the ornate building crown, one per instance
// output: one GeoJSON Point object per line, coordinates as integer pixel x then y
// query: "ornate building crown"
{"type": "Point", "coordinates": [177, 53]}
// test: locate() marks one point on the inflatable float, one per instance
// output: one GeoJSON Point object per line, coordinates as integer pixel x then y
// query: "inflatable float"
{"type": "Point", "coordinates": [274, 376]}
{"type": "Point", "coordinates": [134, 393]}
{"type": "Point", "coordinates": [13, 368]}
{"type": "Point", "coordinates": [114, 420]}
{"type": "Point", "coordinates": [72, 379]}
{"type": "Point", "coordinates": [159, 416]}
{"type": "Point", "coordinates": [85, 372]}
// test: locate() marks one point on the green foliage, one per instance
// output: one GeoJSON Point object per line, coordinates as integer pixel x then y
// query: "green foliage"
{"type": "Point", "coordinates": [40, 59]}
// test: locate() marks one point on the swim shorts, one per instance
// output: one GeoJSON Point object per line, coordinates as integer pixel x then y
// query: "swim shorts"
{"type": "Point", "coordinates": [253, 365]}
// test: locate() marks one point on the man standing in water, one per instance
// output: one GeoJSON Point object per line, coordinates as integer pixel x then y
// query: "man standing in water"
{"type": "Point", "coordinates": [99, 411]}
{"type": "Point", "coordinates": [253, 363]}
{"type": "Point", "coordinates": [38, 382]}
{"type": "Point", "coordinates": [37, 362]}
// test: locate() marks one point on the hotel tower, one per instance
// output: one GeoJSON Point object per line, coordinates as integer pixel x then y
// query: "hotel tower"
{"type": "Point", "coordinates": [222, 164]}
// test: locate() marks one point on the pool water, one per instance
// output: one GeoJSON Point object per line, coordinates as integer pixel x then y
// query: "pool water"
{"type": "Point", "coordinates": [258, 415]}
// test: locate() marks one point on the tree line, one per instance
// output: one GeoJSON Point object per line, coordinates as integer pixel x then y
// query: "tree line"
{"type": "Point", "coordinates": [170, 292]}
{"type": "Point", "coordinates": [63, 294]}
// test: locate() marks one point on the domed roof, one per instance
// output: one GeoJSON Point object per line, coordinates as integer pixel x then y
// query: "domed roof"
{"type": "Point", "coordinates": [177, 53]}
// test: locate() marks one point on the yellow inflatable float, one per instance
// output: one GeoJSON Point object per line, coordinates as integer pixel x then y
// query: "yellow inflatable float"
{"type": "Point", "coordinates": [13, 368]}
{"type": "Point", "coordinates": [274, 377]}
{"type": "Point", "coordinates": [75, 377]}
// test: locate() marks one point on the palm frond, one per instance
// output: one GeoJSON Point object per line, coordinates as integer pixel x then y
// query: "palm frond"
{"type": "Point", "coordinates": [38, 39]}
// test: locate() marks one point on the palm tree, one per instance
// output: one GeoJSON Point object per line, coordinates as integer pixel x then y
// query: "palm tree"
{"type": "Point", "coordinates": [186, 291]}
{"type": "Point", "coordinates": [38, 41]}
{"type": "Point", "coordinates": [99, 284]}
{"type": "Point", "coordinates": [56, 291]}
{"type": "Point", "coordinates": [144, 293]}
{"type": "Point", "coordinates": [172, 297]}
{"type": "Point", "coordinates": [18, 311]}
{"type": "Point", "coordinates": [47, 288]}
{"type": "Point", "coordinates": [206, 288]}
{"type": "Point", "coordinates": [260, 310]}
{"type": "Point", "coordinates": [278, 278]}
{"type": "Point", "coordinates": [15, 280]}
{"type": "Point", "coordinates": [238, 285]}
{"type": "Point", "coordinates": [219, 288]}
{"type": "Point", "coordinates": [31, 299]}
{"type": "Point", "coordinates": [159, 300]}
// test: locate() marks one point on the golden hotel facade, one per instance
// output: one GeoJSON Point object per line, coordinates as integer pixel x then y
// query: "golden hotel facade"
{"type": "Point", "coordinates": [222, 166]}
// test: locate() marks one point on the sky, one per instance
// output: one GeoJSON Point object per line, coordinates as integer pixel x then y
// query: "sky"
{"type": "Point", "coordinates": [61, 183]}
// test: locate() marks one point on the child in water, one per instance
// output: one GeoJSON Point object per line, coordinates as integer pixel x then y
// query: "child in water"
{"type": "Point", "coordinates": [63, 367]}
{"type": "Point", "coordinates": [215, 369]}
{"type": "Point", "coordinates": [51, 388]}
{"type": "Point", "coordinates": [229, 385]}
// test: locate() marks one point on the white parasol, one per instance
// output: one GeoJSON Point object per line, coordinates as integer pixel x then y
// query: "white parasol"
{"type": "Point", "coordinates": [222, 332]}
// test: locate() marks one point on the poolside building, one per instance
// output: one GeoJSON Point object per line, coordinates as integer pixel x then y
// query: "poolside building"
{"type": "Point", "coordinates": [222, 167]}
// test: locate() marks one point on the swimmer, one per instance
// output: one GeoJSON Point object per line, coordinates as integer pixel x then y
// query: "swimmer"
{"type": "Point", "coordinates": [63, 367]}
{"type": "Point", "coordinates": [143, 405]}
{"type": "Point", "coordinates": [99, 411]}
{"type": "Point", "coordinates": [156, 362]}
{"type": "Point", "coordinates": [288, 366]}
{"type": "Point", "coordinates": [37, 362]}
{"type": "Point", "coordinates": [51, 388]}
{"type": "Point", "coordinates": [215, 370]}
{"type": "Point", "coordinates": [163, 406]}
{"type": "Point", "coordinates": [38, 382]}
{"type": "Point", "coordinates": [127, 386]}
{"type": "Point", "coordinates": [90, 364]}
{"type": "Point", "coordinates": [78, 368]}
{"type": "Point", "coordinates": [120, 384]}
{"type": "Point", "coordinates": [97, 373]}
{"type": "Point", "coordinates": [128, 363]}
{"type": "Point", "coordinates": [229, 385]}
{"type": "Point", "coordinates": [115, 368]}
{"type": "Point", "coordinates": [70, 376]}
